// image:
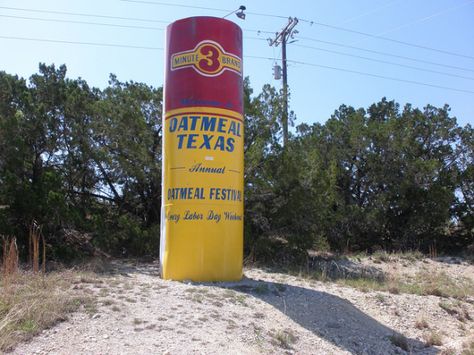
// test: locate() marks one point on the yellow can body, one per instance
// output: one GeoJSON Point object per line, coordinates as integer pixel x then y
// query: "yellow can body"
{"type": "Point", "coordinates": [203, 130]}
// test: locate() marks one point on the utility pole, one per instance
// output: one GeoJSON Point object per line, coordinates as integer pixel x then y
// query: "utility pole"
{"type": "Point", "coordinates": [282, 37]}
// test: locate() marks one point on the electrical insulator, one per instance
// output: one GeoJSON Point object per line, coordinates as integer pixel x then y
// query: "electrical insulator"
{"type": "Point", "coordinates": [276, 72]}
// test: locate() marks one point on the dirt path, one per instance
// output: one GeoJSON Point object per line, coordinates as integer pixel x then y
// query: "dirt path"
{"type": "Point", "coordinates": [138, 313]}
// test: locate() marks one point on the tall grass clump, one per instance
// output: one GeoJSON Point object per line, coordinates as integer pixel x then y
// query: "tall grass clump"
{"type": "Point", "coordinates": [35, 238]}
{"type": "Point", "coordinates": [9, 260]}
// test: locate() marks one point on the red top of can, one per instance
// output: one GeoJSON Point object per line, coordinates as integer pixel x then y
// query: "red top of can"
{"type": "Point", "coordinates": [203, 64]}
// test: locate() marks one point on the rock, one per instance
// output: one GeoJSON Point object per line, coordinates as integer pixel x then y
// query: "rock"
{"type": "Point", "coordinates": [105, 336]}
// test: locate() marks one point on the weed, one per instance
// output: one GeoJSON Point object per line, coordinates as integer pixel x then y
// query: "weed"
{"type": "Point", "coordinates": [468, 348]}
{"type": "Point", "coordinates": [261, 289]}
{"type": "Point", "coordinates": [433, 338]}
{"type": "Point", "coordinates": [229, 294]}
{"type": "Point", "coordinates": [381, 256]}
{"type": "Point", "coordinates": [87, 280]}
{"type": "Point", "coordinates": [456, 309]}
{"type": "Point", "coordinates": [103, 292]}
{"type": "Point", "coordinates": [198, 298]}
{"type": "Point", "coordinates": [27, 326]}
{"type": "Point", "coordinates": [35, 302]}
{"type": "Point", "coordinates": [241, 299]}
{"type": "Point", "coordinates": [9, 260]}
{"type": "Point", "coordinates": [400, 340]}
{"type": "Point", "coordinates": [231, 324]}
{"type": "Point", "coordinates": [215, 316]}
{"type": "Point", "coordinates": [284, 338]}
{"type": "Point", "coordinates": [197, 290]}
{"type": "Point", "coordinates": [108, 302]}
{"type": "Point", "coordinates": [393, 289]}
{"type": "Point", "coordinates": [421, 323]}
{"type": "Point", "coordinates": [259, 315]}
{"type": "Point", "coordinates": [35, 237]}
{"type": "Point", "coordinates": [424, 283]}
{"type": "Point", "coordinates": [442, 285]}
{"type": "Point", "coordinates": [412, 256]}
{"type": "Point", "coordinates": [90, 308]}
{"type": "Point", "coordinates": [448, 307]}
{"type": "Point", "coordinates": [258, 335]}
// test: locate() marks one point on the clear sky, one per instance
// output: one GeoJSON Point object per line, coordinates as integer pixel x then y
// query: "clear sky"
{"type": "Point", "coordinates": [317, 90]}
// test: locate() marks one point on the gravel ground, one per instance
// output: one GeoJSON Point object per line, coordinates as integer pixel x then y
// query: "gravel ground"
{"type": "Point", "coordinates": [265, 313]}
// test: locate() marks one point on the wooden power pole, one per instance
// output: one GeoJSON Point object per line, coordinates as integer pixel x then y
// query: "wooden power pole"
{"type": "Point", "coordinates": [282, 37]}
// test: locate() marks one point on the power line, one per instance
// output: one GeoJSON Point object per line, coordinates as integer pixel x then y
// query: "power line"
{"type": "Point", "coordinates": [148, 2]}
{"type": "Point", "coordinates": [252, 30]}
{"type": "Point", "coordinates": [426, 18]}
{"type": "Point", "coordinates": [368, 74]}
{"type": "Point", "coordinates": [261, 31]}
{"type": "Point", "coordinates": [386, 39]}
{"type": "Point", "coordinates": [385, 53]}
{"type": "Point", "coordinates": [97, 16]}
{"type": "Point", "coordinates": [98, 44]}
{"type": "Point", "coordinates": [383, 61]}
{"type": "Point", "coordinates": [226, 10]}
{"type": "Point", "coordinates": [370, 12]}
{"type": "Point", "coordinates": [102, 44]}
{"type": "Point", "coordinates": [176, 5]}
{"type": "Point", "coordinates": [82, 14]}
{"type": "Point", "coordinates": [82, 22]}
{"type": "Point", "coordinates": [311, 22]}
{"type": "Point", "coordinates": [383, 77]}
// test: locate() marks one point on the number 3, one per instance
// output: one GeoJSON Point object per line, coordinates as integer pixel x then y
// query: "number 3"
{"type": "Point", "coordinates": [210, 62]}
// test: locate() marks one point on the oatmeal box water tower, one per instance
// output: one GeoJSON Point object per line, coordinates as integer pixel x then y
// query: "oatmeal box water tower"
{"type": "Point", "coordinates": [203, 134]}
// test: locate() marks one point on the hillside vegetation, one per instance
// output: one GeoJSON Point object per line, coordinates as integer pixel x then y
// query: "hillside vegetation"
{"type": "Point", "coordinates": [85, 164]}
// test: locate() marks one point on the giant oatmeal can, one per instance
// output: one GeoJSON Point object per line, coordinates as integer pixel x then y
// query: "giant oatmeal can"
{"type": "Point", "coordinates": [203, 132]}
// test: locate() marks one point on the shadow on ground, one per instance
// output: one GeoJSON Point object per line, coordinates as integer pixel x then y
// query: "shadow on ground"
{"type": "Point", "coordinates": [332, 318]}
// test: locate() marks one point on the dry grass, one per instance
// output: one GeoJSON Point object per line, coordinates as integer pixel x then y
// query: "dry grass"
{"type": "Point", "coordinates": [433, 338]}
{"type": "Point", "coordinates": [468, 347]}
{"type": "Point", "coordinates": [9, 261]}
{"type": "Point", "coordinates": [456, 309]}
{"type": "Point", "coordinates": [400, 340]}
{"type": "Point", "coordinates": [34, 302]}
{"type": "Point", "coordinates": [421, 323]}
{"type": "Point", "coordinates": [384, 257]}
{"type": "Point", "coordinates": [35, 238]}
{"type": "Point", "coordinates": [424, 283]}
{"type": "Point", "coordinates": [284, 339]}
